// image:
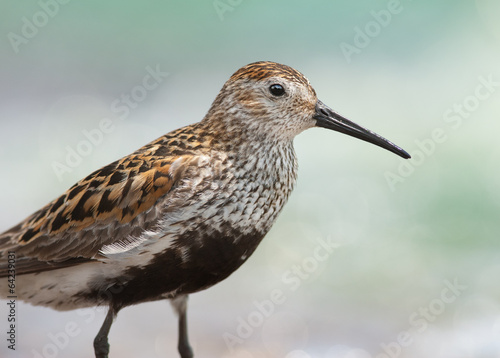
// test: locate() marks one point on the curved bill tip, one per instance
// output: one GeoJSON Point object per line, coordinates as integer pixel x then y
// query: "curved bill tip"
{"type": "Point", "coordinates": [327, 118]}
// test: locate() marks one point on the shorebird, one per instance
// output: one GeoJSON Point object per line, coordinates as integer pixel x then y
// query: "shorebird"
{"type": "Point", "coordinates": [179, 214]}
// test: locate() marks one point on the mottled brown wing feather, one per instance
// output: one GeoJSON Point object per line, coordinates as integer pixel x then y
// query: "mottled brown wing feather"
{"type": "Point", "coordinates": [98, 210]}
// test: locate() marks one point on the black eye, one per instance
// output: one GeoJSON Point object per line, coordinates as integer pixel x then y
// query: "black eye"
{"type": "Point", "coordinates": [277, 90]}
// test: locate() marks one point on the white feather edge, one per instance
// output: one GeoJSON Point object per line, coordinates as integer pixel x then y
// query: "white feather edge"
{"type": "Point", "coordinates": [125, 246]}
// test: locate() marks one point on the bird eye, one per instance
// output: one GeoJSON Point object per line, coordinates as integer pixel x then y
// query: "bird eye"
{"type": "Point", "coordinates": [277, 90]}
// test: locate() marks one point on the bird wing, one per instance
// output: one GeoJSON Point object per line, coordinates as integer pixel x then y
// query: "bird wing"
{"type": "Point", "coordinates": [111, 207]}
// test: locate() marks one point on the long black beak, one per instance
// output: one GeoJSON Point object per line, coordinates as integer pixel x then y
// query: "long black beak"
{"type": "Point", "coordinates": [327, 118]}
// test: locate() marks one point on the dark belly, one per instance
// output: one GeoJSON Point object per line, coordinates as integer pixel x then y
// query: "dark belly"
{"type": "Point", "coordinates": [193, 263]}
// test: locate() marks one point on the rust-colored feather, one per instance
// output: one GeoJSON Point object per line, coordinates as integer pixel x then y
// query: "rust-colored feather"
{"type": "Point", "coordinates": [102, 204]}
{"type": "Point", "coordinates": [260, 70]}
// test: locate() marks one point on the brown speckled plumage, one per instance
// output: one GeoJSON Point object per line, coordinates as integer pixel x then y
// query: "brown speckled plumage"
{"type": "Point", "coordinates": [181, 213]}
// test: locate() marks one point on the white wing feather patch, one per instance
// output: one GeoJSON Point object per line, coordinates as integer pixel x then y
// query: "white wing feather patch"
{"type": "Point", "coordinates": [124, 246]}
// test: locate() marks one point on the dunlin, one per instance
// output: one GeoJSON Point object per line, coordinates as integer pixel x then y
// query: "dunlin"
{"type": "Point", "coordinates": [181, 213]}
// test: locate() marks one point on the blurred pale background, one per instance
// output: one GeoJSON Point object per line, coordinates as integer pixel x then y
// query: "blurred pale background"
{"type": "Point", "coordinates": [424, 74]}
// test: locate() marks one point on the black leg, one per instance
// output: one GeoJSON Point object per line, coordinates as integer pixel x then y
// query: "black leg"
{"type": "Point", "coordinates": [101, 345]}
{"type": "Point", "coordinates": [180, 305]}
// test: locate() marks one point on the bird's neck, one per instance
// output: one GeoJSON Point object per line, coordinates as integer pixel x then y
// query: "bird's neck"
{"type": "Point", "coordinates": [242, 143]}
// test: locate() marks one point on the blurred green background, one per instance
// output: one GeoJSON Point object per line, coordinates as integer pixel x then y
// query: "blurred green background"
{"type": "Point", "coordinates": [424, 74]}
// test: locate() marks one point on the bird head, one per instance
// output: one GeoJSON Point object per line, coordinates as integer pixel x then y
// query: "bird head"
{"type": "Point", "coordinates": [272, 101]}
